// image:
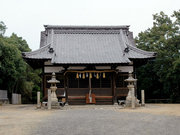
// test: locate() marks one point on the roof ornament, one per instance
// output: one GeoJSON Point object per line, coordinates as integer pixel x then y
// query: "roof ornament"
{"type": "Point", "coordinates": [126, 50]}
{"type": "Point", "coordinates": [127, 33]}
{"type": "Point", "coordinates": [51, 50]}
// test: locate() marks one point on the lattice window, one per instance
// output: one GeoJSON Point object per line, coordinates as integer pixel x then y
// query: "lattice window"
{"type": "Point", "coordinates": [120, 80]}
{"type": "Point", "coordinates": [83, 83]}
{"type": "Point", "coordinates": [73, 82]}
{"type": "Point", "coordinates": [106, 82]}
{"type": "Point", "coordinates": [102, 82]}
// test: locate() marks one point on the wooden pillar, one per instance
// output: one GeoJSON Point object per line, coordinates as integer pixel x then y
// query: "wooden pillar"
{"type": "Point", "coordinates": [90, 91]}
{"type": "Point", "coordinates": [135, 77]}
{"type": "Point", "coordinates": [66, 83]}
{"type": "Point", "coordinates": [42, 83]}
{"type": "Point", "coordinates": [66, 88]}
{"type": "Point", "coordinates": [89, 83]}
{"type": "Point", "coordinates": [114, 89]}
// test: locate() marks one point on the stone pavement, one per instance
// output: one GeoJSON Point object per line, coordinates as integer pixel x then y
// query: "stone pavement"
{"type": "Point", "coordinates": [89, 120]}
{"type": "Point", "coordinates": [107, 121]}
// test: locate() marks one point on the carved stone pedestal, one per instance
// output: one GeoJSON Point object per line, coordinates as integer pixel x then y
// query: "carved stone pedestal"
{"type": "Point", "coordinates": [131, 100]}
{"type": "Point", "coordinates": [54, 100]}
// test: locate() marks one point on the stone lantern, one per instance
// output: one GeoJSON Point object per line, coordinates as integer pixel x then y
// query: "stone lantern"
{"type": "Point", "coordinates": [131, 100]}
{"type": "Point", "coordinates": [53, 81]}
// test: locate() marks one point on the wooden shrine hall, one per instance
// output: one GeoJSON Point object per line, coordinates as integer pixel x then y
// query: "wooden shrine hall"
{"type": "Point", "coordinates": [87, 60]}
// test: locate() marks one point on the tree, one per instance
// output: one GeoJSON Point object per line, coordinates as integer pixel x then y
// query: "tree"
{"type": "Point", "coordinates": [16, 75]}
{"type": "Point", "coordinates": [2, 28]}
{"type": "Point", "coordinates": [11, 65]}
{"type": "Point", "coordinates": [20, 43]}
{"type": "Point", "coordinates": [164, 73]}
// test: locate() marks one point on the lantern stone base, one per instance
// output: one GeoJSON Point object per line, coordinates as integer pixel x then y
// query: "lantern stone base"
{"type": "Point", "coordinates": [129, 100]}
{"type": "Point", "coordinates": [54, 100]}
{"type": "Point", "coordinates": [55, 104]}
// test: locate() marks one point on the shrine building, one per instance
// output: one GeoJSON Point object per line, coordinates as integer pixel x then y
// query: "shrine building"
{"type": "Point", "coordinates": [87, 60]}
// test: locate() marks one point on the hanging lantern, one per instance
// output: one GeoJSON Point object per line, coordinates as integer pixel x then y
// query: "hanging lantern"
{"type": "Point", "coordinates": [77, 75]}
{"type": "Point", "coordinates": [97, 76]}
{"type": "Point", "coordinates": [83, 76]}
{"type": "Point", "coordinates": [104, 75]}
{"type": "Point", "coordinates": [94, 74]}
{"type": "Point", "coordinates": [86, 74]}
{"type": "Point", "coordinates": [90, 75]}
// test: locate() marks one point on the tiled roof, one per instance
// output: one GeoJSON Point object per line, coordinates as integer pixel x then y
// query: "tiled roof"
{"type": "Point", "coordinates": [136, 53]}
{"type": "Point", "coordinates": [88, 45]}
{"type": "Point", "coordinates": [43, 39]}
{"type": "Point", "coordinates": [42, 53]}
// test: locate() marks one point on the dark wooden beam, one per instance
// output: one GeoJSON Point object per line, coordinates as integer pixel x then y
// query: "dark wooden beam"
{"type": "Point", "coordinates": [114, 88]}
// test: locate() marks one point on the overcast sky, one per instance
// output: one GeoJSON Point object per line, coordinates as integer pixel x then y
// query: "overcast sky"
{"type": "Point", "coordinates": [27, 17]}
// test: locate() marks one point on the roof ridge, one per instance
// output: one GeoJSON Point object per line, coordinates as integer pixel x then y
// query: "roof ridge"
{"type": "Point", "coordinates": [87, 26]}
{"type": "Point", "coordinates": [85, 31]}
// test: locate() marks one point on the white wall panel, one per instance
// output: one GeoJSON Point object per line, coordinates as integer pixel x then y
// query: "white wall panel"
{"type": "Point", "coordinates": [52, 69]}
{"type": "Point", "coordinates": [125, 68]}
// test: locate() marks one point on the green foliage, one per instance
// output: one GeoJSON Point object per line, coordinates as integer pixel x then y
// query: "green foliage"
{"type": "Point", "coordinates": [164, 71]}
{"type": "Point", "coordinates": [2, 28]}
{"type": "Point", "coordinates": [11, 64]}
{"type": "Point", "coordinates": [19, 42]}
{"type": "Point", "coordinates": [16, 75]}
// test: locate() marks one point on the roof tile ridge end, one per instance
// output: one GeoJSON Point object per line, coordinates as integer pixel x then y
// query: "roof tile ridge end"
{"type": "Point", "coordinates": [140, 50]}
{"type": "Point", "coordinates": [121, 37]}
{"type": "Point", "coordinates": [38, 50]}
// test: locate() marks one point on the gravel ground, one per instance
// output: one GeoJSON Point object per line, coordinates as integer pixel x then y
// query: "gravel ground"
{"type": "Point", "coordinates": [88, 120]}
